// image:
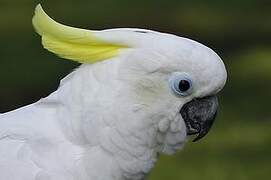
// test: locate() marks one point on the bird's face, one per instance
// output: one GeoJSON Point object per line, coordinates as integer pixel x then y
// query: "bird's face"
{"type": "Point", "coordinates": [177, 82]}
{"type": "Point", "coordinates": [168, 80]}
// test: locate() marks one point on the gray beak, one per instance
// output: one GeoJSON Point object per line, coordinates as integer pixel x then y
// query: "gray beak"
{"type": "Point", "coordinates": [199, 115]}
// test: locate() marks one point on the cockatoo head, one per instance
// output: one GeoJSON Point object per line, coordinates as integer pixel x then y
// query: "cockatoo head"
{"type": "Point", "coordinates": [176, 80]}
{"type": "Point", "coordinates": [168, 82]}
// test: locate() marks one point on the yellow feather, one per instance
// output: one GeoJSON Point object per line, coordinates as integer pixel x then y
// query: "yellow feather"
{"type": "Point", "coordinates": [76, 44]}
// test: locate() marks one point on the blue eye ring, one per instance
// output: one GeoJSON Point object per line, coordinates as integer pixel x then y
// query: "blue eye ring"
{"type": "Point", "coordinates": [180, 84]}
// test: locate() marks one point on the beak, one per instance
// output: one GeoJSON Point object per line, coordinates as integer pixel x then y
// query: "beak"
{"type": "Point", "coordinates": [199, 115]}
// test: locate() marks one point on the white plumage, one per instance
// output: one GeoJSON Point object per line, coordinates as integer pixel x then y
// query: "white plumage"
{"type": "Point", "coordinates": [109, 120]}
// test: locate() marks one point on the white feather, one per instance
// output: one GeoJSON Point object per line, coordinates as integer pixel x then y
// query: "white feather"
{"type": "Point", "coordinates": [109, 120]}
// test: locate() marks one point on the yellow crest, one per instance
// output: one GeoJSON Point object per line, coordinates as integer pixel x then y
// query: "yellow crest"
{"type": "Point", "coordinates": [76, 44]}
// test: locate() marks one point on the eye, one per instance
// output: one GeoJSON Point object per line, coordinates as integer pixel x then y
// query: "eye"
{"type": "Point", "coordinates": [180, 84]}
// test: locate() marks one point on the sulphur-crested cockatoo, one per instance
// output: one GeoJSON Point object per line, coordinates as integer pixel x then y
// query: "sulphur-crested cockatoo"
{"type": "Point", "coordinates": [138, 93]}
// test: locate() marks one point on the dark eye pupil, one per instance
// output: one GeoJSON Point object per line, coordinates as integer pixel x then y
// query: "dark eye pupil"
{"type": "Point", "coordinates": [184, 85]}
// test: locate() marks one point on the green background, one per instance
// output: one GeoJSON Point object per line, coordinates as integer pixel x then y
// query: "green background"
{"type": "Point", "coordinates": [239, 145]}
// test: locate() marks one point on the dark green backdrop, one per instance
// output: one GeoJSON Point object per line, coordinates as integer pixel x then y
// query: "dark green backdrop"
{"type": "Point", "coordinates": [239, 145]}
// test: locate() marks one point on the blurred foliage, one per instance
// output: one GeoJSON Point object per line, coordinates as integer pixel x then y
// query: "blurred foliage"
{"type": "Point", "coordinates": [239, 145]}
